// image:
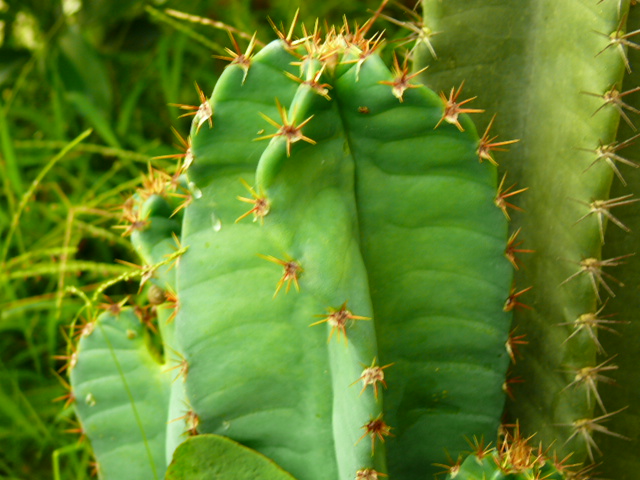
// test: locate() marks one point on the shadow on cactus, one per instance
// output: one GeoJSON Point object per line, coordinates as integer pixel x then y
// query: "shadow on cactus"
{"type": "Point", "coordinates": [332, 274]}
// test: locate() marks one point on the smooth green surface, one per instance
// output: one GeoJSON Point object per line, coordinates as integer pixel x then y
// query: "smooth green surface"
{"type": "Point", "coordinates": [212, 457]}
{"type": "Point", "coordinates": [122, 398]}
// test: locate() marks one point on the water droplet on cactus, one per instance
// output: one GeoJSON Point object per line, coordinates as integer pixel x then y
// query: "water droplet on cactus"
{"type": "Point", "coordinates": [197, 193]}
{"type": "Point", "coordinates": [226, 425]}
{"type": "Point", "coordinates": [90, 400]}
{"type": "Point", "coordinates": [215, 221]}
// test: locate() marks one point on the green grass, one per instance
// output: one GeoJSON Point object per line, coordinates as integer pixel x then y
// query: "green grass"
{"type": "Point", "coordinates": [84, 108]}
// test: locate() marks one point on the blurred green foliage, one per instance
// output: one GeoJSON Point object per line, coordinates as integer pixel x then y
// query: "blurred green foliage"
{"type": "Point", "coordinates": [111, 66]}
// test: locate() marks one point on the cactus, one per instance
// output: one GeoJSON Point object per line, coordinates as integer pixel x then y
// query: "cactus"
{"type": "Point", "coordinates": [575, 119]}
{"type": "Point", "coordinates": [332, 265]}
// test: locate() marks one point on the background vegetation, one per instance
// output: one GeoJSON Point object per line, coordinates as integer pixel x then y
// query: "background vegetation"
{"type": "Point", "coordinates": [85, 88]}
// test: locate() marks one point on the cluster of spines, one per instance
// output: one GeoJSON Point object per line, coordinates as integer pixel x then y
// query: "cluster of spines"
{"type": "Point", "coordinates": [515, 456]}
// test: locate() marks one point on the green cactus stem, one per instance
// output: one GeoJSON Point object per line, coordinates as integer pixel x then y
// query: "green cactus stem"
{"type": "Point", "coordinates": [346, 281]}
{"type": "Point", "coordinates": [121, 396]}
{"type": "Point", "coordinates": [553, 70]}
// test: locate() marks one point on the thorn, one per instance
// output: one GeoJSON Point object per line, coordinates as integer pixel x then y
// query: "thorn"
{"type": "Point", "coordinates": [614, 97]}
{"type": "Point", "coordinates": [601, 209]}
{"type": "Point", "coordinates": [369, 474]}
{"type": "Point", "coordinates": [186, 157]}
{"type": "Point", "coordinates": [419, 32]}
{"type": "Point", "coordinates": [589, 377]}
{"type": "Point", "coordinates": [84, 328]}
{"type": "Point", "coordinates": [71, 359]}
{"type": "Point", "coordinates": [191, 420]}
{"type": "Point", "coordinates": [586, 426]}
{"type": "Point", "coordinates": [286, 38]}
{"type": "Point", "coordinates": [146, 315]}
{"type": "Point", "coordinates": [593, 268]}
{"type": "Point", "coordinates": [260, 205]}
{"type": "Point", "coordinates": [313, 81]}
{"type": "Point", "coordinates": [69, 397]}
{"type": "Point", "coordinates": [501, 197]}
{"type": "Point", "coordinates": [203, 112]}
{"type": "Point", "coordinates": [178, 251]}
{"type": "Point", "coordinates": [372, 375]}
{"type": "Point", "coordinates": [401, 78]}
{"type": "Point", "coordinates": [376, 428]}
{"type": "Point", "coordinates": [182, 365]}
{"type": "Point", "coordinates": [563, 466]}
{"type": "Point", "coordinates": [620, 40]}
{"type": "Point", "coordinates": [290, 131]}
{"type": "Point", "coordinates": [291, 272]}
{"type": "Point", "coordinates": [585, 473]}
{"type": "Point", "coordinates": [590, 322]}
{"type": "Point", "coordinates": [188, 199]}
{"type": "Point", "coordinates": [366, 48]}
{"type": "Point", "coordinates": [114, 308]}
{"type": "Point", "coordinates": [511, 250]}
{"type": "Point", "coordinates": [78, 430]}
{"type": "Point", "coordinates": [171, 303]}
{"type": "Point", "coordinates": [131, 215]}
{"type": "Point", "coordinates": [487, 145]}
{"type": "Point", "coordinates": [366, 26]}
{"type": "Point", "coordinates": [146, 271]}
{"type": "Point", "coordinates": [609, 155]}
{"type": "Point", "coordinates": [479, 449]}
{"type": "Point", "coordinates": [452, 468]}
{"type": "Point", "coordinates": [153, 184]}
{"type": "Point", "coordinates": [506, 386]}
{"type": "Point", "coordinates": [338, 318]}
{"type": "Point", "coordinates": [512, 344]}
{"type": "Point", "coordinates": [515, 452]}
{"type": "Point", "coordinates": [512, 301]}
{"type": "Point", "coordinates": [243, 60]}
{"type": "Point", "coordinates": [452, 108]}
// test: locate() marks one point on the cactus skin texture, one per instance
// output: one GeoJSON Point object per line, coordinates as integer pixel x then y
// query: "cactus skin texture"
{"type": "Point", "coordinates": [563, 77]}
{"type": "Point", "coordinates": [359, 326]}
{"type": "Point", "coordinates": [114, 366]}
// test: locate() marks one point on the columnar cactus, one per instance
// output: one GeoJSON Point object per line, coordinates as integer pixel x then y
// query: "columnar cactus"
{"type": "Point", "coordinates": [332, 267]}
{"type": "Point", "coordinates": [563, 78]}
